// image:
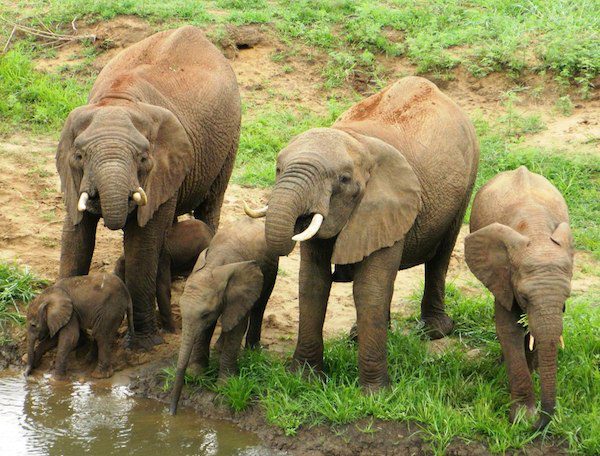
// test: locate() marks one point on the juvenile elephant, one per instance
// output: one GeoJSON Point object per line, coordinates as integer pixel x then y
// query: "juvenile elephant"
{"type": "Point", "coordinates": [158, 138]}
{"type": "Point", "coordinates": [385, 188]}
{"type": "Point", "coordinates": [521, 248]}
{"type": "Point", "coordinates": [232, 280]}
{"type": "Point", "coordinates": [183, 243]}
{"type": "Point", "coordinates": [56, 317]}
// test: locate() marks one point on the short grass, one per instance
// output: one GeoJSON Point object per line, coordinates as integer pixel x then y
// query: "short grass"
{"type": "Point", "coordinates": [484, 36]}
{"type": "Point", "coordinates": [449, 395]}
{"type": "Point", "coordinates": [17, 286]}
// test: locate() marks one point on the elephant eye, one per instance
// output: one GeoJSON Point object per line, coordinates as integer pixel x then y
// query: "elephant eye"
{"type": "Point", "coordinates": [345, 179]}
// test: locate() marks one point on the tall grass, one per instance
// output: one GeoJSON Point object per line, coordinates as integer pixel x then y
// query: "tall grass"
{"type": "Point", "coordinates": [461, 392]}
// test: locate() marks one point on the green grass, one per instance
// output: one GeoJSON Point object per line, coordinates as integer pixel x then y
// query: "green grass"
{"type": "Point", "coordinates": [30, 99]}
{"type": "Point", "coordinates": [449, 394]}
{"type": "Point", "coordinates": [17, 286]}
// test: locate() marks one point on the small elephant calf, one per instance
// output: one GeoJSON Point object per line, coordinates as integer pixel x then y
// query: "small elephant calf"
{"type": "Point", "coordinates": [521, 248]}
{"type": "Point", "coordinates": [232, 280]}
{"type": "Point", "coordinates": [184, 242]}
{"type": "Point", "coordinates": [95, 302]}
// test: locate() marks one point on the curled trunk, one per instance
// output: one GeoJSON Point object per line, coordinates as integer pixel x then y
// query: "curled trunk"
{"type": "Point", "coordinates": [114, 187]}
{"type": "Point", "coordinates": [287, 203]}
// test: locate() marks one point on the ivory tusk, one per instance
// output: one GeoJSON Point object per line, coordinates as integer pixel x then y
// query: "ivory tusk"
{"type": "Point", "coordinates": [530, 342]}
{"type": "Point", "coordinates": [255, 213]}
{"type": "Point", "coordinates": [562, 342]}
{"type": "Point", "coordinates": [140, 197]}
{"type": "Point", "coordinates": [83, 199]}
{"type": "Point", "coordinates": [312, 229]}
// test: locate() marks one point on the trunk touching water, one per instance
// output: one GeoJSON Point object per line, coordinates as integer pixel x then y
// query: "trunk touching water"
{"type": "Point", "coordinates": [187, 344]}
{"type": "Point", "coordinates": [547, 331]}
{"type": "Point", "coordinates": [30, 354]}
{"type": "Point", "coordinates": [288, 202]}
{"type": "Point", "coordinates": [113, 181]}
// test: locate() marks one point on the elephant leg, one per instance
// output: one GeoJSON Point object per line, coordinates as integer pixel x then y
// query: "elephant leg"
{"type": "Point", "coordinates": [143, 246]}
{"type": "Point", "coordinates": [232, 341]}
{"type": "Point", "coordinates": [433, 313]}
{"type": "Point", "coordinates": [210, 209]}
{"type": "Point", "coordinates": [373, 288]}
{"type": "Point", "coordinates": [77, 245]}
{"type": "Point", "coordinates": [120, 268]}
{"type": "Point", "coordinates": [315, 285]}
{"type": "Point", "coordinates": [256, 314]}
{"type": "Point", "coordinates": [511, 334]}
{"type": "Point", "coordinates": [104, 366]}
{"type": "Point", "coordinates": [67, 341]}
{"type": "Point", "coordinates": [201, 352]}
{"type": "Point", "coordinates": [163, 293]}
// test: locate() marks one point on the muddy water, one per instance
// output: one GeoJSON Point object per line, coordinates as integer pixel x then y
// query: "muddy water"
{"type": "Point", "coordinates": [41, 417]}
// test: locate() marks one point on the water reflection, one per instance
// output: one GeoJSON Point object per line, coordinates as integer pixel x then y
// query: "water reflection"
{"type": "Point", "coordinates": [43, 418]}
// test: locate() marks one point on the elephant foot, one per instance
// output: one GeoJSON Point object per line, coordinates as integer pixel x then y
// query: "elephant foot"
{"type": "Point", "coordinates": [102, 373]}
{"type": "Point", "coordinates": [373, 388]}
{"type": "Point", "coordinates": [59, 376]}
{"type": "Point", "coordinates": [542, 422]}
{"type": "Point", "coordinates": [144, 342]}
{"type": "Point", "coordinates": [224, 375]}
{"type": "Point", "coordinates": [521, 409]}
{"type": "Point", "coordinates": [437, 326]}
{"type": "Point", "coordinates": [353, 333]}
{"type": "Point", "coordinates": [196, 369]}
{"type": "Point", "coordinates": [343, 273]}
{"type": "Point", "coordinates": [167, 325]}
{"type": "Point", "coordinates": [307, 368]}
{"type": "Point", "coordinates": [27, 371]}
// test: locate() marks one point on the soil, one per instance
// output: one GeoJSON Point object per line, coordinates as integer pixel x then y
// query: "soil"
{"type": "Point", "coordinates": [32, 214]}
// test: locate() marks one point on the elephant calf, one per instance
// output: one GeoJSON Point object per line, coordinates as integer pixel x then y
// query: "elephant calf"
{"type": "Point", "coordinates": [521, 248]}
{"type": "Point", "coordinates": [95, 302]}
{"type": "Point", "coordinates": [184, 242]}
{"type": "Point", "coordinates": [232, 280]}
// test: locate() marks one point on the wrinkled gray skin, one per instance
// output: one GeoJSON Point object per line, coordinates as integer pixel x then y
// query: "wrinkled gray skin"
{"type": "Point", "coordinates": [231, 281]}
{"type": "Point", "coordinates": [163, 115]}
{"type": "Point", "coordinates": [521, 248]}
{"type": "Point", "coordinates": [58, 316]}
{"type": "Point", "coordinates": [183, 243]}
{"type": "Point", "coordinates": [392, 178]}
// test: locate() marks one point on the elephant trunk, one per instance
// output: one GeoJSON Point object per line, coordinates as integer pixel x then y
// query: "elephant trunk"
{"type": "Point", "coordinates": [185, 351]}
{"type": "Point", "coordinates": [114, 182]}
{"type": "Point", "coordinates": [289, 200]}
{"type": "Point", "coordinates": [547, 334]}
{"type": "Point", "coordinates": [30, 354]}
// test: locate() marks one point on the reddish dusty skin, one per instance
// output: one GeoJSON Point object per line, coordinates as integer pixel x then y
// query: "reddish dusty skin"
{"type": "Point", "coordinates": [164, 116]}
{"type": "Point", "coordinates": [521, 248]}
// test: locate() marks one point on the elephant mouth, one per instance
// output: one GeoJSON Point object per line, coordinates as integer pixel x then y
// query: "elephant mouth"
{"type": "Point", "coordinates": [302, 222]}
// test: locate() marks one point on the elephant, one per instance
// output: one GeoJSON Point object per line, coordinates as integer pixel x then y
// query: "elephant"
{"type": "Point", "coordinates": [232, 280]}
{"type": "Point", "coordinates": [157, 138]}
{"type": "Point", "coordinates": [59, 315]}
{"type": "Point", "coordinates": [521, 249]}
{"type": "Point", "coordinates": [384, 188]}
{"type": "Point", "coordinates": [183, 243]}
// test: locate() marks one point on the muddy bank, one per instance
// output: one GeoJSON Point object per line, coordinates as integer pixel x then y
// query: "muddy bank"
{"type": "Point", "coordinates": [363, 437]}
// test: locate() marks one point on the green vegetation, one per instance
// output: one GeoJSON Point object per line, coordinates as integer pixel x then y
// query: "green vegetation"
{"type": "Point", "coordinates": [17, 286]}
{"type": "Point", "coordinates": [459, 393]}
{"type": "Point", "coordinates": [32, 99]}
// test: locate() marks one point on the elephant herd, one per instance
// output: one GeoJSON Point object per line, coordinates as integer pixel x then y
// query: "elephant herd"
{"type": "Point", "coordinates": [384, 188]}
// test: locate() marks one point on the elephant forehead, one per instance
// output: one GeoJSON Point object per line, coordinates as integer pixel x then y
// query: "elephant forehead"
{"type": "Point", "coordinates": [326, 143]}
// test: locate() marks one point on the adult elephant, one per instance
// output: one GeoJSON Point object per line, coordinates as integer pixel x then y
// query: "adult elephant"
{"type": "Point", "coordinates": [385, 188]}
{"type": "Point", "coordinates": [157, 138]}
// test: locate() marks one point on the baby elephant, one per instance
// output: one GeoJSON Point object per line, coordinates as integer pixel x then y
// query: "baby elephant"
{"type": "Point", "coordinates": [233, 280]}
{"type": "Point", "coordinates": [521, 248]}
{"type": "Point", "coordinates": [95, 302]}
{"type": "Point", "coordinates": [184, 242]}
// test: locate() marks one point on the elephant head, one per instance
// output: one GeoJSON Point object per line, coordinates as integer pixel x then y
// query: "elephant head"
{"type": "Point", "coordinates": [341, 184]}
{"type": "Point", "coordinates": [228, 291]}
{"type": "Point", "coordinates": [114, 158]}
{"type": "Point", "coordinates": [535, 272]}
{"type": "Point", "coordinates": [46, 315]}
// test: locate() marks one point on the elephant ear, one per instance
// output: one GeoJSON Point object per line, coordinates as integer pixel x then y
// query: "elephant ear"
{"type": "Point", "coordinates": [172, 157]}
{"type": "Point", "coordinates": [70, 177]}
{"type": "Point", "coordinates": [242, 284]}
{"type": "Point", "coordinates": [201, 261]}
{"type": "Point", "coordinates": [389, 206]}
{"type": "Point", "coordinates": [57, 313]}
{"type": "Point", "coordinates": [488, 253]}
{"type": "Point", "coordinates": [562, 236]}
